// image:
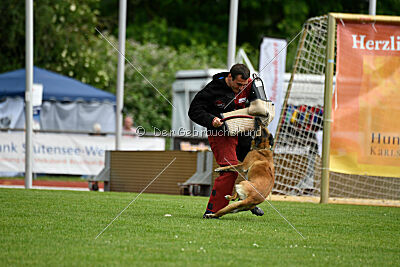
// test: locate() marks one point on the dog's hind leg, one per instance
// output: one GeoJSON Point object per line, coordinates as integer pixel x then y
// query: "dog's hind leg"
{"type": "Point", "coordinates": [234, 207]}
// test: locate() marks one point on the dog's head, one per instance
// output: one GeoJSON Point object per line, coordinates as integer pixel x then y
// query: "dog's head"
{"type": "Point", "coordinates": [263, 138]}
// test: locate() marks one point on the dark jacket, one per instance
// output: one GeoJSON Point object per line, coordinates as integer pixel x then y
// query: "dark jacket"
{"type": "Point", "coordinates": [215, 98]}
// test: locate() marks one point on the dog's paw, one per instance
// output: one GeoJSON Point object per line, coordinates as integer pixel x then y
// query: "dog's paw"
{"type": "Point", "coordinates": [228, 197]}
{"type": "Point", "coordinates": [220, 169]}
{"type": "Point", "coordinates": [209, 215]}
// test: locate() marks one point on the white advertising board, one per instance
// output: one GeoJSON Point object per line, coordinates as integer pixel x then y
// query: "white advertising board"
{"type": "Point", "coordinates": [66, 153]}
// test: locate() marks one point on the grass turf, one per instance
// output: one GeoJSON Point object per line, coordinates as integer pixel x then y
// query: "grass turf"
{"type": "Point", "coordinates": [59, 228]}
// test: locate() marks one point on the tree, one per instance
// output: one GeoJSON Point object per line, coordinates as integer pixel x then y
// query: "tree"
{"type": "Point", "coordinates": [162, 38]}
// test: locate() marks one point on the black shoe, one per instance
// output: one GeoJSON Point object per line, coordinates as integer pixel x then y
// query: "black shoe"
{"type": "Point", "coordinates": [257, 211]}
{"type": "Point", "coordinates": [208, 212]}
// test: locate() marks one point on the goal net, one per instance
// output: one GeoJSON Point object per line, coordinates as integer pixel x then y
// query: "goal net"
{"type": "Point", "coordinates": [297, 150]}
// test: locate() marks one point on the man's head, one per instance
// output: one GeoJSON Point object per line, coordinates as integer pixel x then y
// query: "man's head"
{"type": "Point", "coordinates": [128, 122]}
{"type": "Point", "coordinates": [238, 77]}
{"type": "Point", "coordinates": [97, 128]}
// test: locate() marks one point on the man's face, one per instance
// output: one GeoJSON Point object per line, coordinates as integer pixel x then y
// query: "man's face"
{"type": "Point", "coordinates": [238, 84]}
{"type": "Point", "coordinates": [128, 122]}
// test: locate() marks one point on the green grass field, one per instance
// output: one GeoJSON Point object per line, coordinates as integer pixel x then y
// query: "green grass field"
{"type": "Point", "coordinates": [59, 228]}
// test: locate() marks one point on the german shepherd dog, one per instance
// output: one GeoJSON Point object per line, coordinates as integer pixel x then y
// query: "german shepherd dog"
{"type": "Point", "coordinates": [258, 167]}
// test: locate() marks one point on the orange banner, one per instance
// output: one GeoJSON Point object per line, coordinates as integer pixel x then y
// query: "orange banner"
{"type": "Point", "coordinates": [365, 133]}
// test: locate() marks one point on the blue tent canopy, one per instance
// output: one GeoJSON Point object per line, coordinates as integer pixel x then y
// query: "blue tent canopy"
{"type": "Point", "coordinates": [55, 87]}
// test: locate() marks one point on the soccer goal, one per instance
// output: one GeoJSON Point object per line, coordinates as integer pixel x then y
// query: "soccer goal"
{"type": "Point", "coordinates": [328, 143]}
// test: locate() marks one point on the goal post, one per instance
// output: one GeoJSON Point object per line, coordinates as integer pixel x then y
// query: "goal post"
{"type": "Point", "coordinates": [330, 64]}
{"type": "Point", "coordinates": [302, 167]}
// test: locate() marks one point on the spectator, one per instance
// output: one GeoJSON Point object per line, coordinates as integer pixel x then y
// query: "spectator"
{"type": "Point", "coordinates": [128, 127]}
{"type": "Point", "coordinates": [97, 129]}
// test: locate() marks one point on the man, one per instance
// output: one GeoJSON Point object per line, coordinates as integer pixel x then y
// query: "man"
{"type": "Point", "coordinates": [128, 127]}
{"type": "Point", "coordinates": [227, 91]}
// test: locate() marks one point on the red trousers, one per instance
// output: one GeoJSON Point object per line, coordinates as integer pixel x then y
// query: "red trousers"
{"type": "Point", "coordinates": [224, 150]}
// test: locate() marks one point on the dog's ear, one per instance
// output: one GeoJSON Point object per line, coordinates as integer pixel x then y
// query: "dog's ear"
{"type": "Point", "coordinates": [253, 144]}
{"type": "Point", "coordinates": [258, 123]}
{"type": "Point", "coordinates": [271, 140]}
{"type": "Point", "coordinates": [268, 137]}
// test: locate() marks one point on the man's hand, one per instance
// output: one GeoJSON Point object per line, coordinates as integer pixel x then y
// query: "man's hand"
{"type": "Point", "coordinates": [217, 122]}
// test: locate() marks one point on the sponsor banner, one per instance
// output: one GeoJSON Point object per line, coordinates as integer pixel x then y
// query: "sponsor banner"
{"type": "Point", "coordinates": [66, 153]}
{"type": "Point", "coordinates": [272, 73]}
{"type": "Point", "coordinates": [365, 137]}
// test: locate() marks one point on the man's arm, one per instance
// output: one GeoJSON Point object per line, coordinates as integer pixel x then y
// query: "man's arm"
{"type": "Point", "coordinates": [198, 111]}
